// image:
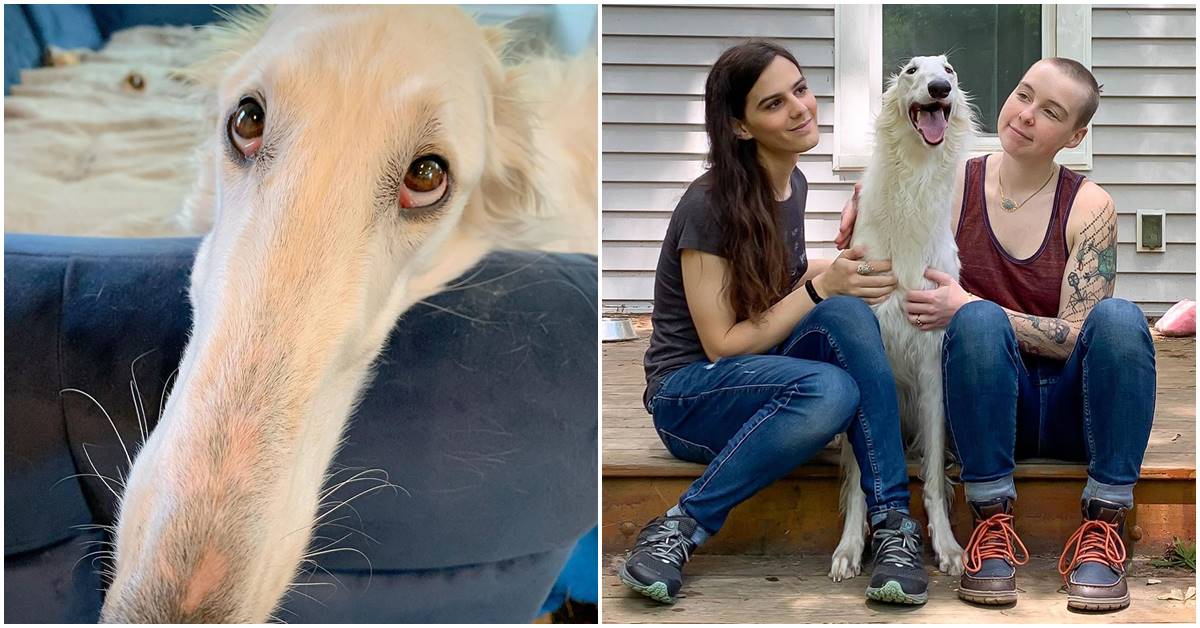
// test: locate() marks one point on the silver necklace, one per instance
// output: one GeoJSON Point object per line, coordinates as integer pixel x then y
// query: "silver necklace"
{"type": "Point", "coordinates": [1007, 203]}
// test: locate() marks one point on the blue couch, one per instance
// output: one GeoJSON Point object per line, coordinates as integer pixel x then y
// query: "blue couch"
{"type": "Point", "coordinates": [490, 427]}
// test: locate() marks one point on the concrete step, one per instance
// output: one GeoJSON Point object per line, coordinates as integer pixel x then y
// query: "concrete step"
{"type": "Point", "coordinates": [794, 589]}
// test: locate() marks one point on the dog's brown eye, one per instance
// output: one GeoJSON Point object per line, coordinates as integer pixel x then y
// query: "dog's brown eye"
{"type": "Point", "coordinates": [949, 70]}
{"type": "Point", "coordinates": [425, 182]}
{"type": "Point", "coordinates": [912, 70]}
{"type": "Point", "coordinates": [246, 126]}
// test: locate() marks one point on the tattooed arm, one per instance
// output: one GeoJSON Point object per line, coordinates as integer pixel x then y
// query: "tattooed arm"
{"type": "Point", "coordinates": [1089, 277]}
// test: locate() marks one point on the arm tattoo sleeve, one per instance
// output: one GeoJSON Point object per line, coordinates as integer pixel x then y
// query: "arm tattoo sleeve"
{"type": "Point", "coordinates": [1093, 266]}
{"type": "Point", "coordinates": [1091, 276]}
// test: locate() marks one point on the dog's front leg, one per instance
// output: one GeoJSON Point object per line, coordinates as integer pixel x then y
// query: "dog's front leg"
{"type": "Point", "coordinates": [847, 558]}
{"type": "Point", "coordinates": [933, 471]}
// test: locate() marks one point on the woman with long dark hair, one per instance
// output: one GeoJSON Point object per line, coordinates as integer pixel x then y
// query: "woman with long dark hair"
{"type": "Point", "coordinates": [759, 357]}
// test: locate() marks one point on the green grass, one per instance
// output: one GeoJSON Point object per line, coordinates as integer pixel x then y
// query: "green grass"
{"type": "Point", "coordinates": [1181, 554]}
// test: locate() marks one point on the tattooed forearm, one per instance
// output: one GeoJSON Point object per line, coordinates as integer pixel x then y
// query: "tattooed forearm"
{"type": "Point", "coordinates": [1044, 336]}
{"type": "Point", "coordinates": [1092, 268]}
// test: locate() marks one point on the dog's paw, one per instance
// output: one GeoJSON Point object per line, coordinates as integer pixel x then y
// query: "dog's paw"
{"type": "Point", "coordinates": [847, 560]}
{"type": "Point", "coordinates": [950, 558]}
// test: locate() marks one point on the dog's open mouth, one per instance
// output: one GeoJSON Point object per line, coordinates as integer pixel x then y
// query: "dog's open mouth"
{"type": "Point", "coordinates": [930, 121]}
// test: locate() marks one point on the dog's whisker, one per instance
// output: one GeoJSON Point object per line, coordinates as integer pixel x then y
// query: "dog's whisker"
{"type": "Point", "coordinates": [110, 422]}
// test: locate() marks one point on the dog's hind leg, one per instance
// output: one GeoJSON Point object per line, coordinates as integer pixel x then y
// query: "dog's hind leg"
{"type": "Point", "coordinates": [847, 558]}
{"type": "Point", "coordinates": [933, 471]}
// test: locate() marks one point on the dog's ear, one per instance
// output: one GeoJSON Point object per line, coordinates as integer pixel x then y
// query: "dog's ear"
{"type": "Point", "coordinates": [542, 134]}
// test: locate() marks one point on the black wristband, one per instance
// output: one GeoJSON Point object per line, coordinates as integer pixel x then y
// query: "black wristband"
{"type": "Point", "coordinates": [812, 292]}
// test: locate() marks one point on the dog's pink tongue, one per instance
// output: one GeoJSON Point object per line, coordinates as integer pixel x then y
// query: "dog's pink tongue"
{"type": "Point", "coordinates": [932, 125]}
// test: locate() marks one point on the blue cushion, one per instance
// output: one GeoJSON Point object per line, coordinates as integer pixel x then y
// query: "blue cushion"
{"type": "Point", "coordinates": [483, 408]}
{"type": "Point", "coordinates": [114, 17]}
{"type": "Point", "coordinates": [21, 47]}
{"type": "Point", "coordinates": [65, 25]}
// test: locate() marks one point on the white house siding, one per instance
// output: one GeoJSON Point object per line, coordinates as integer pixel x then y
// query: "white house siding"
{"type": "Point", "coordinates": [655, 59]}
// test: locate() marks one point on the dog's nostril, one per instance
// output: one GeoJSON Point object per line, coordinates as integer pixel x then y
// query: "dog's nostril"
{"type": "Point", "coordinates": [939, 89]}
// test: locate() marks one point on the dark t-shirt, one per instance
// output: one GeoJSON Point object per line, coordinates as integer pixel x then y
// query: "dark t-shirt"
{"type": "Point", "coordinates": [697, 225]}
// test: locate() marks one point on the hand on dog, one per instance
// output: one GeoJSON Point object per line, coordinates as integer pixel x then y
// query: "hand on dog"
{"type": "Point", "coordinates": [849, 215]}
{"type": "Point", "coordinates": [842, 277]}
{"type": "Point", "coordinates": [936, 306]}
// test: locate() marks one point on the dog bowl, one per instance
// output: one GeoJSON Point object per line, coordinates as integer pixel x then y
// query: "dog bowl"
{"type": "Point", "coordinates": [617, 329]}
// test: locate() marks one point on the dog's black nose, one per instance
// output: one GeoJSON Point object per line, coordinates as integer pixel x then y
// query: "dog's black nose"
{"type": "Point", "coordinates": [939, 89]}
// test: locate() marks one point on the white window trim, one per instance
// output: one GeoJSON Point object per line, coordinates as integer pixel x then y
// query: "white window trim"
{"type": "Point", "coordinates": [858, 78]}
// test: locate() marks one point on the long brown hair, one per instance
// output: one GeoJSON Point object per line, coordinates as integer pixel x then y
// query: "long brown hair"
{"type": "Point", "coordinates": [739, 186]}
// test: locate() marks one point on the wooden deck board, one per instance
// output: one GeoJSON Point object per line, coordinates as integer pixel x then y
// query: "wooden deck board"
{"type": "Point", "coordinates": [795, 589]}
{"type": "Point", "coordinates": [632, 448]}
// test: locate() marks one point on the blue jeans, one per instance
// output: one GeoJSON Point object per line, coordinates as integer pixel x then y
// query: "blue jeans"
{"type": "Point", "coordinates": [1096, 407]}
{"type": "Point", "coordinates": [753, 419]}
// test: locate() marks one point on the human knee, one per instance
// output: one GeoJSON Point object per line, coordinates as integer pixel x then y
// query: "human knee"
{"type": "Point", "coordinates": [1117, 327]}
{"type": "Point", "coordinates": [850, 322]}
{"type": "Point", "coordinates": [979, 325]}
{"type": "Point", "coordinates": [839, 398]}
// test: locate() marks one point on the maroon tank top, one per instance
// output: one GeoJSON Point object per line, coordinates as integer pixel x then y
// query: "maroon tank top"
{"type": "Point", "coordinates": [1032, 285]}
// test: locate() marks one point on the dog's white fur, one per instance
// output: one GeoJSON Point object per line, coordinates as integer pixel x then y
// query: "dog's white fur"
{"type": "Point", "coordinates": [904, 215]}
{"type": "Point", "coordinates": [307, 269]}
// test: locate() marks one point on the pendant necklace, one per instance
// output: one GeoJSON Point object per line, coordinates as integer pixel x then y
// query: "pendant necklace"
{"type": "Point", "coordinates": [1007, 203]}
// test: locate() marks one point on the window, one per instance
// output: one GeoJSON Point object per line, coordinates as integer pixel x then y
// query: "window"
{"type": "Point", "coordinates": [871, 41]}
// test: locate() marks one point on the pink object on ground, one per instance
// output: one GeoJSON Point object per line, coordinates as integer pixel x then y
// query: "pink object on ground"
{"type": "Point", "coordinates": [1180, 320]}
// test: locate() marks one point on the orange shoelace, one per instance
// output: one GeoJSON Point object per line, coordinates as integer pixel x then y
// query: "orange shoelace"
{"type": "Point", "coordinates": [1095, 541]}
{"type": "Point", "coordinates": [993, 538]}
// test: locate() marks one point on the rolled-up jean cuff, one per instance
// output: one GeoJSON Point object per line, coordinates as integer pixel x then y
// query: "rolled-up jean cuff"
{"type": "Point", "coordinates": [1118, 494]}
{"type": "Point", "coordinates": [700, 535]}
{"type": "Point", "coordinates": [878, 508]}
{"type": "Point", "coordinates": [985, 491]}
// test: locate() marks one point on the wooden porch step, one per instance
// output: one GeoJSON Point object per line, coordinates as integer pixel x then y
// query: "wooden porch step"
{"type": "Point", "coordinates": [795, 589]}
{"type": "Point", "coordinates": [799, 514]}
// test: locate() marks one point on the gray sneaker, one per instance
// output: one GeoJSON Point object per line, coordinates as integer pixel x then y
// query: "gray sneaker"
{"type": "Point", "coordinates": [655, 566]}
{"type": "Point", "coordinates": [899, 574]}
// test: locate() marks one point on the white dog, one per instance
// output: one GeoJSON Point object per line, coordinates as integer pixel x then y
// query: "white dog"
{"type": "Point", "coordinates": [359, 158]}
{"type": "Point", "coordinates": [922, 133]}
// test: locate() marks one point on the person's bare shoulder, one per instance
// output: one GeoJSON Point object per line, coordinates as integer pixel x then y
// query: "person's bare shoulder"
{"type": "Point", "coordinates": [1093, 210]}
{"type": "Point", "coordinates": [956, 202]}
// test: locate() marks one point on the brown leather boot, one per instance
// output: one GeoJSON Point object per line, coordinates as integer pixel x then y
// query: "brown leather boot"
{"type": "Point", "coordinates": [1095, 575]}
{"type": "Point", "coordinates": [990, 560]}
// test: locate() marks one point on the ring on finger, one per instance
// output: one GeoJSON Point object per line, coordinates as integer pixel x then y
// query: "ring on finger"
{"type": "Point", "coordinates": [864, 268]}
{"type": "Point", "coordinates": [919, 322]}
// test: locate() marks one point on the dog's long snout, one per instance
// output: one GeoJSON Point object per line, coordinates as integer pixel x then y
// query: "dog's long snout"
{"type": "Point", "coordinates": [939, 89]}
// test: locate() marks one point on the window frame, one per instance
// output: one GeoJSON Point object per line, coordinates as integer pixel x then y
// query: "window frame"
{"type": "Point", "coordinates": [858, 78]}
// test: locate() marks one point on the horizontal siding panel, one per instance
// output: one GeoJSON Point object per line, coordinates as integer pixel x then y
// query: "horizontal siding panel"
{"type": "Point", "coordinates": [1178, 258]}
{"type": "Point", "coordinates": [689, 80]}
{"type": "Point", "coordinates": [718, 22]}
{"type": "Point", "coordinates": [1180, 228]}
{"type": "Point", "coordinates": [1145, 170]}
{"type": "Point", "coordinates": [703, 51]}
{"type": "Point", "coordinates": [685, 169]}
{"type": "Point", "coordinates": [1151, 169]}
{"type": "Point", "coordinates": [642, 138]}
{"type": "Point", "coordinates": [664, 197]}
{"type": "Point", "coordinates": [1144, 53]}
{"type": "Point", "coordinates": [1146, 82]}
{"type": "Point", "coordinates": [1179, 201]}
{"type": "Point", "coordinates": [1176, 199]}
{"type": "Point", "coordinates": [643, 256]}
{"type": "Point", "coordinates": [670, 109]}
{"type": "Point", "coordinates": [625, 256]}
{"type": "Point", "coordinates": [1153, 23]}
{"type": "Point", "coordinates": [652, 226]}
{"type": "Point", "coordinates": [1136, 287]}
{"type": "Point", "coordinates": [1136, 140]}
{"type": "Point", "coordinates": [1146, 111]}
